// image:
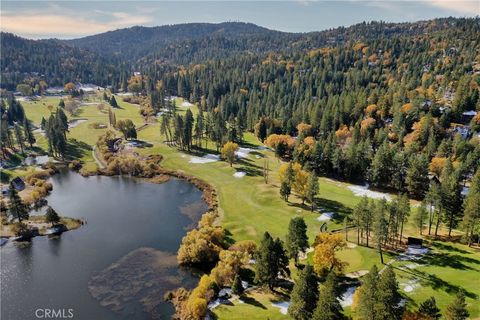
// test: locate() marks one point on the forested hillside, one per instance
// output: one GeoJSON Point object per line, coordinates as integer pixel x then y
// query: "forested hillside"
{"type": "Point", "coordinates": [24, 60]}
{"type": "Point", "coordinates": [137, 48]}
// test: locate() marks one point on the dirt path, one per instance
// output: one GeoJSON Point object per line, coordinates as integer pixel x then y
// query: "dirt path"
{"type": "Point", "coordinates": [100, 164]}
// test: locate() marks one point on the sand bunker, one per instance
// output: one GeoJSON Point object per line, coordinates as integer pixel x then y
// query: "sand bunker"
{"type": "Point", "coordinates": [243, 152]}
{"type": "Point", "coordinates": [410, 285]}
{"type": "Point", "coordinates": [239, 174]}
{"type": "Point", "coordinates": [282, 305]}
{"type": "Point", "coordinates": [205, 159]}
{"type": "Point", "coordinates": [361, 191]}
{"type": "Point", "coordinates": [346, 299]}
{"type": "Point", "coordinates": [413, 253]}
{"type": "Point", "coordinates": [326, 216]}
{"type": "Point", "coordinates": [74, 123]}
{"type": "Point", "coordinates": [356, 274]}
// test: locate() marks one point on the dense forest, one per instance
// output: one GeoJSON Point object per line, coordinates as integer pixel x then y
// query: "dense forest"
{"type": "Point", "coordinates": [395, 106]}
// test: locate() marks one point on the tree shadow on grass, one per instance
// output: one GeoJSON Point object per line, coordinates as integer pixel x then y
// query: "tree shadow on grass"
{"type": "Point", "coordinates": [327, 205]}
{"type": "Point", "coordinates": [447, 247]}
{"type": "Point", "coordinates": [252, 301]}
{"type": "Point", "coordinates": [454, 261]}
{"type": "Point", "coordinates": [76, 149]}
{"type": "Point", "coordinates": [436, 283]}
{"type": "Point", "coordinates": [252, 172]}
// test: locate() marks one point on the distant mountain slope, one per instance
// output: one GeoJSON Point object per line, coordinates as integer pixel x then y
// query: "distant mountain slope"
{"type": "Point", "coordinates": [136, 42]}
{"type": "Point", "coordinates": [55, 62]}
{"type": "Point", "coordinates": [110, 57]}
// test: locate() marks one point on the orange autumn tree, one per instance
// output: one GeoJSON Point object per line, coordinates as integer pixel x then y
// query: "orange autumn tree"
{"type": "Point", "coordinates": [324, 259]}
{"type": "Point", "coordinates": [274, 140]}
{"type": "Point", "coordinates": [304, 128]}
{"type": "Point", "coordinates": [343, 134]}
{"type": "Point", "coordinates": [300, 180]}
{"type": "Point", "coordinates": [367, 124]}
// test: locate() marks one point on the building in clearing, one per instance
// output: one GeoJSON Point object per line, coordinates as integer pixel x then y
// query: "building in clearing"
{"type": "Point", "coordinates": [18, 183]}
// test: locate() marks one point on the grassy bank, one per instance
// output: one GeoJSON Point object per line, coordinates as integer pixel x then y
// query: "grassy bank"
{"type": "Point", "coordinates": [249, 207]}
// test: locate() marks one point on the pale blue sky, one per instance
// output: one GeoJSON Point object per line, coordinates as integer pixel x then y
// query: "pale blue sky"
{"type": "Point", "coordinates": [72, 19]}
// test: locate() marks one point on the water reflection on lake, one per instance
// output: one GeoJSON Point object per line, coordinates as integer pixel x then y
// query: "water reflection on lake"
{"type": "Point", "coordinates": [124, 256]}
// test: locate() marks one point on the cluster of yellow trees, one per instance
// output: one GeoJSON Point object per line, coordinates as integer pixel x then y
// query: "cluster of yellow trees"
{"type": "Point", "coordinates": [300, 180]}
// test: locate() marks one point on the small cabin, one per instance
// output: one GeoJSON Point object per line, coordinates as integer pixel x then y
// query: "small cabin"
{"type": "Point", "coordinates": [414, 242]}
{"type": "Point", "coordinates": [18, 184]}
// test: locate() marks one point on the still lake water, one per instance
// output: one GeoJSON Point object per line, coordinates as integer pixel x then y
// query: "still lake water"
{"type": "Point", "coordinates": [124, 255]}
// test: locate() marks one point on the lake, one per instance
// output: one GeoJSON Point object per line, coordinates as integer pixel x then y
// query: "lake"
{"type": "Point", "coordinates": [118, 265]}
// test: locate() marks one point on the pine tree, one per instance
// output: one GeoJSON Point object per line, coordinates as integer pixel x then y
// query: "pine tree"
{"type": "Point", "coordinates": [19, 137]}
{"type": "Point", "coordinates": [312, 188]}
{"type": "Point", "coordinates": [304, 295]}
{"type": "Point", "coordinates": [296, 239]}
{"type": "Point", "coordinates": [471, 217]}
{"type": "Point", "coordinates": [359, 212]}
{"type": "Point", "coordinates": [429, 308]}
{"type": "Point", "coordinates": [188, 129]}
{"type": "Point", "coordinates": [52, 216]}
{"type": "Point", "coordinates": [421, 216]}
{"type": "Point", "coordinates": [113, 102]}
{"type": "Point", "coordinates": [388, 306]}
{"type": "Point", "coordinates": [16, 208]}
{"type": "Point", "coordinates": [417, 176]}
{"type": "Point", "coordinates": [451, 196]}
{"type": "Point", "coordinates": [262, 130]}
{"type": "Point", "coordinates": [433, 199]}
{"type": "Point", "coordinates": [368, 296]}
{"type": "Point", "coordinates": [328, 306]}
{"type": "Point", "coordinates": [380, 227]}
{"type": "Point", "coordinates": [29, 136]}
{"type": "Point", "coordinates": [271, 261]}
{"type": "Point", "coordinates": [457, 310]}
{"type": "Point", "coordinates": [237, 287]}
{"type": "Point", "coordinates": [285, 190]}
{"type": "Point", "coordinates": [403, 213]}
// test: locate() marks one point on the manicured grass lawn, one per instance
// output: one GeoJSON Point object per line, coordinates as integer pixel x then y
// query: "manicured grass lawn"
{"type": "Point", "coordinates": [256, 305]}
{"type": "Point", "coordinates": [85, 135]}
{"type": "Point", "coordinates": [447, 268]}
{"type": "Point", "coordinates": [249, 207]}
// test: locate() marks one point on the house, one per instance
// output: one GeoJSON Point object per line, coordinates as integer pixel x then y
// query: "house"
{"type": "Point", "coordinates": [426, 104]}
{"type": "Point", "coordinates": [18, 183]}
{"type": "Point", "coordinates": [463, 131]}
{"type": "Point", "coordinates": [114, 144]}
{"type": "Point", "coordinates": [468, 115]}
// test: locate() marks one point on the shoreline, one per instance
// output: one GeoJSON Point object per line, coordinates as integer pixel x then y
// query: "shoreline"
{"type": "Point", "coordinates": [42, 226]}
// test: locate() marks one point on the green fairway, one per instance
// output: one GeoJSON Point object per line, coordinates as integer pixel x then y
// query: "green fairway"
{"type": "Point", "coordinates": [249, 207]}
{"type": "Point", "coordinates": [253, 305]}
{"type": "Point", "coordinates": [84, 135]}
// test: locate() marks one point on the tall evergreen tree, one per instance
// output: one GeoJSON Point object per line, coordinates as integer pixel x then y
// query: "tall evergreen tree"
{"type": "Point", "coordinates": [304, 295]}
{"type": "Point", "coordinates": [271, 260]}
{"type": "Point", "coordinates": [328, 306]}
{"type": "Point", "coordinates": [457, 310]}
{"type": "Point", "coordinates": [417, 176]}
{"type": "Point", "coordinates": [368, 296]}
{"type": "Point", "coordinates": [296, 239]}
{"type": "Point", "coordinates": [471, 216]}
{"type": "Point", "coordinates": [429, 308]}
{"type": "Point", "coordinates": [16, 207]}
{"type": "Point", "coordinates": [388, 303]}
{"type": "Point", "coordinates": [312, 189]}
{"type": "Point", "coordinates": [27, 128]}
